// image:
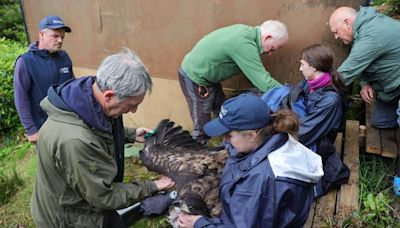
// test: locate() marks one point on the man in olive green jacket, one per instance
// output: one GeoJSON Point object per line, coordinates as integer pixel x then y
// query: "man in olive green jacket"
{"type": "Point", "coordinates": [374, 56]}
{"type": "Point", "coordinates": [80, 148]}
{"type": "Point", "coordinates": [223, 54]}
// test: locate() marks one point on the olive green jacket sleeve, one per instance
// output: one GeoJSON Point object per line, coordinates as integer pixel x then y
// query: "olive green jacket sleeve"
{"type": "Point", "coordinates": [90, 172]}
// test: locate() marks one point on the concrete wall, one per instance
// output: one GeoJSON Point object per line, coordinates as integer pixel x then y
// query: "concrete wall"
{"type": "Point", "coordinates": [161, 32]}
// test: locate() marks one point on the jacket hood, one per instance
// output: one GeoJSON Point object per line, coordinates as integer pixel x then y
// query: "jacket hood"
{"type": "Point", "coordinates": [294, 160]}
{"type": "Point", "coordinates": [34, 46]}
{"type": "Point", "coordinates": [76, 96]}
{"type": "Point", "coordinates": [251, 159]}
{"type": "Point", "coordinates": [364, 15]}
{"type": "Point", "coordinates": [44, 53]}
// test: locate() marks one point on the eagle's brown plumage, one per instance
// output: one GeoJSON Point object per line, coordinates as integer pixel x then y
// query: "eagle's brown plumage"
{"type": "Point", "coordinates": [195, 168]}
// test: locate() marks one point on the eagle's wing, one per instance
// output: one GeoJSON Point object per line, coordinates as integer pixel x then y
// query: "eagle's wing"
{"type": "Point", "coordinates": [195, 168]}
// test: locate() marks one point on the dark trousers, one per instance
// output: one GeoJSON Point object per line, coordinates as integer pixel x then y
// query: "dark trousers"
{"type": "Point", "coordinates": [384, 114]}
{"type": "Point", "coordinates": [113, 220]}
{"type": "Point", "coordinates": [202, 102]}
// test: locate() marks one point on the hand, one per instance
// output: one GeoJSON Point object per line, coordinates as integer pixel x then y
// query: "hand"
{"type": "Point", "coordinates": [140, 133]}
{"type": "Point", "coordinates": [367, 93]}
{"type": "Point", "coordinates": [164, 183]}
{"type": "Point", "coordinates": [186, 221]}
{"type": "Point", "coordinates": [33, 138]}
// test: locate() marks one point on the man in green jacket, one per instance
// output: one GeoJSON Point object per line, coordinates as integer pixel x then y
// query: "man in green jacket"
{"type": "Point", "coordinates": [220, 55]}
{"type": "Point", "coordinates": [374, 57]}
{"type": "Point", "coordinates": [81, 147]}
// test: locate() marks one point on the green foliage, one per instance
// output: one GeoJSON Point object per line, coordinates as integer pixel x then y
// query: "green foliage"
{"type": "Point", "coordinates": [152, 222]}
{"type": "Point", "coordinates": [388, 7]}
{"type": "Point", "coordinates": [375, 174]}
{"type": "Point", "coordinates": [376, 193]}
{"type": "Point", "coordinates": [376, 211]}
{"type": "Point", "coordinates": [394, 9]}
{"type": "Point", "coordinates": [9, 184]}
{"type": "Point", "coordinates": [9, 50]}
{"type": "Point", "coordinates": [11, 22]}
{"type": "Point", "coordinates": [13, 151]}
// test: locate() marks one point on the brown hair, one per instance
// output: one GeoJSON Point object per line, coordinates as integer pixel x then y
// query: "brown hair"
{"type": "Point", "coordinates": [322, 58]}
{"type": "Point", "coordinates": [283, 121]}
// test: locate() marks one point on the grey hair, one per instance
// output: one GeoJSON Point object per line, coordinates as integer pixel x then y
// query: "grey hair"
{"type": "Point", "coordinates": [125, 74]}
{"type": "Point", "coordinates": [276, 29]}
{"type": "Point", "coordinates": [45, 30]}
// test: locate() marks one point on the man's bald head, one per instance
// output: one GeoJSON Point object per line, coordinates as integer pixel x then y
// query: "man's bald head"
{"type": "Point", "coordinates": [341, 23]}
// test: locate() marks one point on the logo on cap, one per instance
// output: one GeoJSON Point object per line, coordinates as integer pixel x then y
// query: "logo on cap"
{"type": "Point", "coordinates": [223, 112]}
{"type": "Point", "coordinates": [58, 22]}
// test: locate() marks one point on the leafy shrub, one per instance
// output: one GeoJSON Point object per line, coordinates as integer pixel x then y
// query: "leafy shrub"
{"type": "Point", "coordinates": [377, 211]}
{"type": "Point", "coordinates": [9, 50]}
{"type": "Point", "coordinates": [11, 22]}
{"type": "Point", "coordinates": [388, 7]}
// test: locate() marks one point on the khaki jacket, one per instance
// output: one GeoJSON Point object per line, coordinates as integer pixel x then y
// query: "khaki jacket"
{"type": "Point", "coordinates": [75, 171]}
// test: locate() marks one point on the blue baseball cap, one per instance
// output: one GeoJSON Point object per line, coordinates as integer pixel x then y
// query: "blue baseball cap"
{"type": "Point", "coordinates": [244, 112]}
{"type": "Point", "coordinates": [53, 22]}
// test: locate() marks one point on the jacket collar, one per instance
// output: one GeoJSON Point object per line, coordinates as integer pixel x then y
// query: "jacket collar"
{"type": "Point", "coordinates": [254, 158]}
{"type": "Point", "coordinates": [259, 40]}
{"type": "Point", "coordinates": [44, 53]}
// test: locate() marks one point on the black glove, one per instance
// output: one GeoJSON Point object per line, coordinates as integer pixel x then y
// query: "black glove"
{"type": "Point", "coordinates": [158, 204]}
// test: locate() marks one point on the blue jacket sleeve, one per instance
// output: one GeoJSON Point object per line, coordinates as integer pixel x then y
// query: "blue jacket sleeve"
{"type": "Point", "coordinates": [22, 86]}
{"type": "Point", "coordinates": [320, 119]}
{"type": "Point", "coordinates": [247, 206]}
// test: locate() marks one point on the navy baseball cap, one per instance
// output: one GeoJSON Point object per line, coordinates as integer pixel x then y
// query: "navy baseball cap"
{"type": "Point", "coordinates": [244, 112]}
{"type": "Point", "coordinates": [53, 22]}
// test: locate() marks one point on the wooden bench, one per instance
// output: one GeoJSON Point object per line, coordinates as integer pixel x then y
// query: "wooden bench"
{"type": "Point", "coordinates": [333, 208]}
{"type": "Point", "coordinates": [384, 142]}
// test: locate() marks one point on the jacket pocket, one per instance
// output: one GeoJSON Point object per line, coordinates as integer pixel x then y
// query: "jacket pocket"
{"type": "Point", "coordinates": [77, 217]}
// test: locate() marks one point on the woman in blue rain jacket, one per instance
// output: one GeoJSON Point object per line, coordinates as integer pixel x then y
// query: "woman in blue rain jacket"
{"type": "Point", "coordinates": [268, 178]}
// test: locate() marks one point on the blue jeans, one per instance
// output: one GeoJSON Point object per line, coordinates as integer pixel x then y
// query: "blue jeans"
{"type": "Point", "coordinates": [202, 102]}
{"type": "Point", "coordinates": [384, 114]}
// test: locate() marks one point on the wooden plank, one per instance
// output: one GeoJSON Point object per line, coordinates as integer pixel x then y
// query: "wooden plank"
{"type": "Point", "coordinates": [309, 222]}
{"type": "Point", "coordinates": [325, 210]}
{"type": "Point", "coordinates": [348, 199]}
{"type": "Point", "coordinates": [372, 135]}
{"type": "Point", "coordinates": [325, 207]}
{"type": "Point", "coordinates": [389, 144]}
{"type": "Point", "coordinates": [338, 143]}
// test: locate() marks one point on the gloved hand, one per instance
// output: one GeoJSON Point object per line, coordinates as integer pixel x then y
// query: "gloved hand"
{"type": "Point", "coordinates": [158, 204]}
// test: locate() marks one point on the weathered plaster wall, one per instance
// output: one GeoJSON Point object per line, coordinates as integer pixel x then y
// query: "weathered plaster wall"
{"type": "Point", "coordinates": [162, 32]}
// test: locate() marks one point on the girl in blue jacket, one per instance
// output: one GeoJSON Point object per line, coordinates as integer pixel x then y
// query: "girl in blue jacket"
{"type": "Point", "coordinates": [319, 101]}
{"type": "Point", "coordinates": [268, 178]}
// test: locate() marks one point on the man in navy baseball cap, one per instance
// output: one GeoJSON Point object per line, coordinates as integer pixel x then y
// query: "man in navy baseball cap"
{"type": "Point", "coordinates": [244, 112]}
{"type": "Point", "coordinates": [36, 70]}
{"type": "Point", "coordinates": [53, 22]}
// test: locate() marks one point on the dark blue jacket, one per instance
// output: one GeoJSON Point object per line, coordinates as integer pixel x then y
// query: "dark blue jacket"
{"type": "Point", "coordinates": [35, 71]}
{"type": "Point", "coordinates": [324, 113]}
{"type": "Point", "coordinates": [320, 112]}
{"type": "Point", "coordinates": [270, 187]}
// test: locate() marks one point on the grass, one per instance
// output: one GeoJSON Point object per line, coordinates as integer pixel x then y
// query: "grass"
{"type": "Point", "coordinates": [9, 184]}
{"type": "Point", "coordinates": [21, 158]}
{"type": "Point", "coordinates": [379, 206]}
